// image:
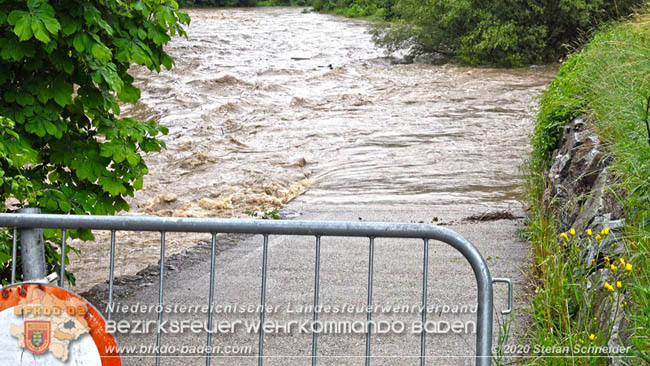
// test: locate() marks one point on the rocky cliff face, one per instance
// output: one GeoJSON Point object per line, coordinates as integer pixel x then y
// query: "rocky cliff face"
{"type": "Point", "coordinates": [581, 196]}
{"type": "Point", "coordinates": [579, 180]}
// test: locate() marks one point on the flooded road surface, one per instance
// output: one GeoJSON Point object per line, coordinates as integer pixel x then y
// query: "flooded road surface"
{"type": "Point", "coordinates": [266, 103]}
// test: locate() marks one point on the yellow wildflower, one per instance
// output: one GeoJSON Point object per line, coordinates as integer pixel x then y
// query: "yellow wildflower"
{"type": "Point", "coordinates": [592, 337]}
{"type": "Point", "coordinates": [572, 232]}
{"type": "Point", "coordinates": [619, 284]}
{"type": "Point", "coordinates": [593, 261]}
{"type": "Point", "coordinates": [628, 267]}
{"type": "Point", "coordinates": [614, 268]}
{"type": "Point", "coordinates": [608, 286]}
{"type": "Point", "coordinates": [598, 237]}
{"type": "Point", "coordinates": [622, 261]}
{"type": "Point", "coordinates": [607, 259]}
{"type": "Point", "coordinates": [564, 236]}
{"type": "Point", "coordinates": [605, 231]}
{"type": "Point", "coordinates": [589, 232]}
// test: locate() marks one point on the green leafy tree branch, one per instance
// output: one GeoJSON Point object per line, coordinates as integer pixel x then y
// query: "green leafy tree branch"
{"type": "Point", "coordinates": [64, 68]}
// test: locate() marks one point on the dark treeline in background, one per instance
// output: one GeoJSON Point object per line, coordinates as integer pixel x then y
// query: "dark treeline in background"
{"type": "Point", "coordinates": [472, 32]}
{"type": "Point", "coordinates": [381, 9]}
{"type": "Point", "coordinates": [241, 3]}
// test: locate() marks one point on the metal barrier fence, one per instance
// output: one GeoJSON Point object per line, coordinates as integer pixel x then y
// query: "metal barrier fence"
{"type": "Point", "coordinates": [25, 223]}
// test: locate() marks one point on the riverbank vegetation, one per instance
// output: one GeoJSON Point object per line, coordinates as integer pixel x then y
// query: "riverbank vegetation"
{"type": "Point", "coordinates": [608, 81]}
{"type": "Point", "coordinates": [379, 9]}
{"type": "Point", "coordinates": [473, 32]}
{"type": "Point", "coordinates": [240, 3]}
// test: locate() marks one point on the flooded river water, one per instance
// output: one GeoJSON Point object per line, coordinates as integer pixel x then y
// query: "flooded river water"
{"type": "Point", "coordinates": [266, 103]}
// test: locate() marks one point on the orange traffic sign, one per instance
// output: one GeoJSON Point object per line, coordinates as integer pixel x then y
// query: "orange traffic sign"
{"type": "Point", "coordinates": [56, 326]}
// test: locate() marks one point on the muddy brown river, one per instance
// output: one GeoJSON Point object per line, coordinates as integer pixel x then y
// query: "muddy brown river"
{"type": "Point", "coordinates": [264, 104]}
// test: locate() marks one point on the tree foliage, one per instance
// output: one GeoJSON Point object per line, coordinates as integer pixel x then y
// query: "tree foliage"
{"type": "Point", "coordinates": [218, 3]}
{"type": "Point", "coordinates": [64, 68]}
{"type": "Point", "coordinates": [502, 33]}
{"type": "Point", "coordinates": [242, 3]}
{"type": "Point", "coordinates": [382, 9]}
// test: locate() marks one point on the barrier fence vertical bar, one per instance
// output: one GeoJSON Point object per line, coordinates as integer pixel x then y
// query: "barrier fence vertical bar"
{"type": "Point", "coordinates": [13, 256]}
{"type": "Point", "coordinates": [160, 295]}
{"type": "Point", "coordinates": [111, 276]}
{"type": "Point", "coordinates": [484, 317]}
{"type": "Point", "coordinates": [265, 253]}
{"type": "Point", "coordinates": [62, 276]}
{"type": "Point", "coordinates": [425, 280]}
{"type": "Point", "coordinates": [314, 339]}
{"type": "Point", "coordinates": [371, 255]}
{"type": "Point", "coordinates": [211, 299]}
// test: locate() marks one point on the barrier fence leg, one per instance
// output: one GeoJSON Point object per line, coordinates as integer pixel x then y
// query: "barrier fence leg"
{"type": "Point", "coordinates": [32, 249]}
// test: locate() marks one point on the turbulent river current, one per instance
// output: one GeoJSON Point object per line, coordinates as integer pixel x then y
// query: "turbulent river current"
{"type": "Point", "coordinates": [266, 103]}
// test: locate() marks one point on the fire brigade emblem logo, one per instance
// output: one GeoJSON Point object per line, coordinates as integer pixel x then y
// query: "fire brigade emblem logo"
{"type": "Point", "coordinates": [37, 335]}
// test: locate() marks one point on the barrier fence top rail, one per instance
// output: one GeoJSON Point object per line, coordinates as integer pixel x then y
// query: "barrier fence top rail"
{"type": "Point", "coordinates": [184, 224]}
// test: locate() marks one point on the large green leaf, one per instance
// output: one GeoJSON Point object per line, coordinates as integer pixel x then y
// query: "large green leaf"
{"type": "Point", "coordinates": [101, 52]}
{"type": "Point", "coordinates": [129, 93]}
{"type": "Point", "coordinates": [62, 91]}
{"type": "Point", "coordinates": [113, 186]}
{"type": "Point", "coordinates": [82, 42]}
{"type": "Point", "coordinates": [51, 24]}
{"type": "Point", "coordinates": [23, 28]}
{"type": "Point", "coordinates": [39, 30]}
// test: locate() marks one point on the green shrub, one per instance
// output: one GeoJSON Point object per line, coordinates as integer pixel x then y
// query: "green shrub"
{"type": "Point", "coordinates": [380, 9]}
{"type": "Point", "coordinates": [496, 32]}
{"type": "Point", "coordinates": [217, 3]}
{"type": "Point", "coordinates": [241, 3]}
{"type": "Point", "coordinates": [354, 11]}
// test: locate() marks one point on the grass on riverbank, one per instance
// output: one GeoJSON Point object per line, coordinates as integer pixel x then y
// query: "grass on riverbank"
{"type": "Point", "coordinates": [609, 80]}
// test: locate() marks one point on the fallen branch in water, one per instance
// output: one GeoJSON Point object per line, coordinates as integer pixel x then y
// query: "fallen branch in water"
{"type": "Point", "coordinates": [492, 216]}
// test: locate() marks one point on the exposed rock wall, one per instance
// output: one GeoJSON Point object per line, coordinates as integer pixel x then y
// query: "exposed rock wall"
{"type": "Point", "coordinates": [581, 196]}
